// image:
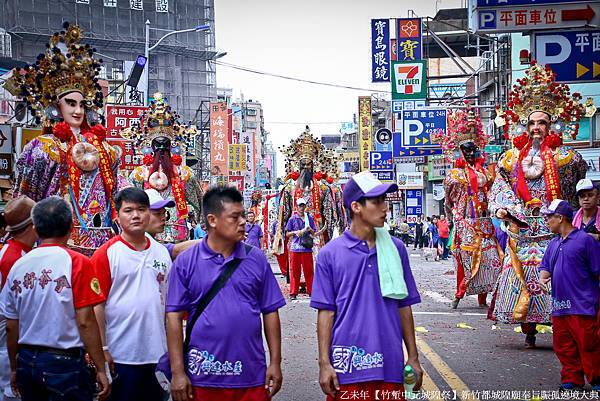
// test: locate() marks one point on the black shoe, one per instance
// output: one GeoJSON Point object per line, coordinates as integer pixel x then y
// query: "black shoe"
{"type": "Point", "coordinates": [530, 341]}
{"type": "Point", "coordinates": [455, 303]}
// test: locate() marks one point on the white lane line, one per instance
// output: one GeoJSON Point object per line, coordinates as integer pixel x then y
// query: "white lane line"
{"type": "Point", "coordinates": [437, 297]}
{"type": "Point", "coordinates": [448, 313]}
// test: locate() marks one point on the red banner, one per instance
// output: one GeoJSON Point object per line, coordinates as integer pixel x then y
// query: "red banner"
{"type": "Point", "coordinates": [119, 117]}
{"type": "Point", "coordinates": [219, 121]}
{"type": "Point", "coordinates": [238, 180]}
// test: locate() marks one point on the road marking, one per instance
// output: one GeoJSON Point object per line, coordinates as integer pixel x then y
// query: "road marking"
{"type": "Point", "coordinates": [449, 313]}
{"type": "Point", "coordinates": [429, 389]}
{"type": "Point", "coordinates": [444, 370]}
{"type": "Point", "coordinates": [437, 297]}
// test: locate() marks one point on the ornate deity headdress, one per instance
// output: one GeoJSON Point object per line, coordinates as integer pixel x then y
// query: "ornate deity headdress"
{"type": "Point", "coordinates": [539, 91]}
{"type": "Point", "coordinates": [256, 196]}
{"type": "Point", "coordinates": [160, 121]}
{"type": "Point", "coordinates": [307, 147]}
{"type": "Point", "coordinates": [464, 125]}
{"type": "Point", "coordinates": [55, 73]}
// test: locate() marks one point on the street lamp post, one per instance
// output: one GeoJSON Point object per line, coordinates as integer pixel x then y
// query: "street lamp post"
{"type": "Point", "coordinates": [148, 48]}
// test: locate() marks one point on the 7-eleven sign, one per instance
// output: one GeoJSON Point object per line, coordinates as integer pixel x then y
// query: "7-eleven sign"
{"type": "Point", "coordinates": [409, 79]}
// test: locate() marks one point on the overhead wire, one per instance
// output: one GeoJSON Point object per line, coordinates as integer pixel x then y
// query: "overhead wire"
{"type": "Point", "coordinates": [289, 78]}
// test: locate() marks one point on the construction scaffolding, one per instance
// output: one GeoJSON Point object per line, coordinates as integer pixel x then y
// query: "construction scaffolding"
{"type": "Point", "coordinates": [180, 67]}
{"type": "Point", "coordinates": [481, 63]}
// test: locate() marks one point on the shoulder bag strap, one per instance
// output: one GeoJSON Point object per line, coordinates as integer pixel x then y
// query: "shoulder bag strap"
{"type": "Point", "coordinates": [230, 267]}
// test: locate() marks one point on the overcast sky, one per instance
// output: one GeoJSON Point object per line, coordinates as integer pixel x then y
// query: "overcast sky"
{"type": "Point", "coordinates": [320, 40]}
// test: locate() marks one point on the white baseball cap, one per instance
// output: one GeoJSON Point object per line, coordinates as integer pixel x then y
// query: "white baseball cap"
{"type": "Point", "coordinates": [365, 185]}
{"type": "Point", "coordinates": [584, 185]}
{"type": "Point", "coordinates": [157, 201]}
{"type": "Point", "coordinates": [301, 201]}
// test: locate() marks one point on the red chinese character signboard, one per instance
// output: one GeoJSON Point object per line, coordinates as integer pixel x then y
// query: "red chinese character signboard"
{"type": "Point", "coordinates": [238, 181]}
{"type": "Point", "coordinates": [219, 143]}
{"type": "Point", "coordinates": [119, 117]}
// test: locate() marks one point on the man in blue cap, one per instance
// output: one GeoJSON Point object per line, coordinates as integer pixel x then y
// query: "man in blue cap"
{"type": "Point", "coordinates": [363, 280]}
{"type": "Point", "coordinates": [572, 263]}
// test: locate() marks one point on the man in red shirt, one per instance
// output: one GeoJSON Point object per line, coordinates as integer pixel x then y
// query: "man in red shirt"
{"type": "Point", "coordinates": [444, 232]}
{"type": "Point", "coordinates": [17, 215]}
{"type": "Point", "coordinates": [22, 236]}
{"type": "Point", "coordinates": [48, 303]}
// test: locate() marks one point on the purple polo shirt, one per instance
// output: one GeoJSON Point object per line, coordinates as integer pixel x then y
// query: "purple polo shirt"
{"type": "Point", "coordinates": [366, 342]}
{"type": "Point", "coordinates": [574, 264]}
{"type": "Point", "coordinates": [170, 248]}
{"type": "Point", "coordinates": [296, 223]}
{"type": "Point", "coordinates": [255, 233]}
{"type": "Point", "coordinates": [226, 347]}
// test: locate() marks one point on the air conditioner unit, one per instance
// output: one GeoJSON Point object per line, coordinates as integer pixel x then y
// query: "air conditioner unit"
{"type": "Point", "coordinates": [22, 114]}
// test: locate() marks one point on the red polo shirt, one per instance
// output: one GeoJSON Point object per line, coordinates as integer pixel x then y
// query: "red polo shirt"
{"type": "Point", "coordinates": [443, 229]}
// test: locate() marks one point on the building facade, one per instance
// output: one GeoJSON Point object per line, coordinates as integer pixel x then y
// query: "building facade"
{"type": "Point", "coordinates": [179, 67]}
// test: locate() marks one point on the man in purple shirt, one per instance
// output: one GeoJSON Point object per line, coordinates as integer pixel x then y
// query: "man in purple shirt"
{"type": "Point", "coordinates": [226, 358]}
{"type": "Point", "coordinates": [301, 257]}
{"type": "Point", "coordinates": [572, 263]}
{"type": "Point", "coordinates": [360, 332]}
{"type": "Point", "coordinates": [254, 233]}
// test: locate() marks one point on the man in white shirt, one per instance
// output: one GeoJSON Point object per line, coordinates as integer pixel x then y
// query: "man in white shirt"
{"type": "Point", "coordinates": [133, 269]}
{"type": "Point", "coordinates": [48, 302]}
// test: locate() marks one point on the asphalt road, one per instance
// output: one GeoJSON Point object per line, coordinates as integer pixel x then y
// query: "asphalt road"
{"type": "Point", "coordinates": [478, 360]}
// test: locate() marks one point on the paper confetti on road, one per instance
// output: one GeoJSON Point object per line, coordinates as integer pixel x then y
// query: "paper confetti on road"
{"type": "Point", "coordinates": [464, 326]}
{"type": "Point", "coordinates": [542, 329]}
{"type": "Point", "coordinates": [421, 329]}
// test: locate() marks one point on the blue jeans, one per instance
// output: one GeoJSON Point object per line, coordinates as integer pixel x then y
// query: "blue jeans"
{"type": "Point", "coordinates": [444, 243]}
{"type": "Point", "coordinates": [45, 376]}
{"type": "Point", "coordinates": [136, 382]}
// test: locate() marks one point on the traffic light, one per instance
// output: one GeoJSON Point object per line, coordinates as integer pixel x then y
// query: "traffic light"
{"type": "Point", "coordinates": [136, 71]}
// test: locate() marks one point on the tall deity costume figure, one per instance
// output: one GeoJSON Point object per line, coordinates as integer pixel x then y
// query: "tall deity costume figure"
{"type": "Point", "coordinates": [537, 170]}
{"type": "Point", "coordinates": [308, 167]}
{"type": "Point", "coordinates": [476, 257]}
{"type": "Point", "coordinates": [71, 158]}
{"type": "Point", "coordinates": [163, 143]}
